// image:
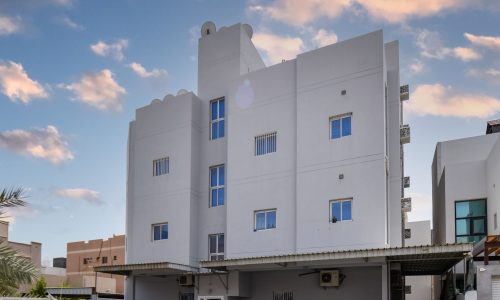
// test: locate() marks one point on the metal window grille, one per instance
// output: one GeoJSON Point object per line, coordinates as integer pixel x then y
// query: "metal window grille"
{"type": "Point", "coordinates": [407, 233]}
{"type": "Point", "coordinates": [265, 143]}
{"type": "Point", "coordinates": [283, 295]}
{"type": "Point", "coordinates": [161, 166]}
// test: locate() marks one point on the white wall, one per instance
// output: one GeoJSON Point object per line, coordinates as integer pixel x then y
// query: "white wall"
{"type": "Point", "coordinates": [421, 286]}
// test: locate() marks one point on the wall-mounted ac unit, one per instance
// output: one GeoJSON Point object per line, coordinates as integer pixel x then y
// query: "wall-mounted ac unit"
{"type": "Point", "coordinates": [329, 278]}
{"type": "Point", "coordinates": [404, 92]}
{"type": "Point", "coordinates": [406, 182]}
{"type": "Point", "coordinates": [405, 204]}
{"type": "Point", "coordinates": [186, 280]}
{"type": "Point", "coordinates": [404, 133]}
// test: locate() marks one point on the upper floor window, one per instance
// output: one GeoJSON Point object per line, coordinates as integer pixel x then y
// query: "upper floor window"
{"type": "Point", "coordinates": [340, 126]}
{"type": "Point", "coordinates": [340, 210]}
{"type": "Point", "coordinates": [265, 219]}
{"type": "Point", "coordinates": [104, 260]}
{"type": "Point", "coordinates": [217, 117]}
{"type": "Point", "coordinates": [216, 246]}
{"type": "Point", "coordinates": [265, 143]}
{"type": "Point", "coordinates": [216, 186]}
{"type": "Point", "coordinates": [470, 220]}
{"type": "Point", "coordinates": [160, 231]}
{"type": "Point", "coordinates": [161, 166]}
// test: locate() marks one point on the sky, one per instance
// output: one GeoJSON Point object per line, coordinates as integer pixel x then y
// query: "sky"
{"type": "Point", "coordinates": [72, 73]}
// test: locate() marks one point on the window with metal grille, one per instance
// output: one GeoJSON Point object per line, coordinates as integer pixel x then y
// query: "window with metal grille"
{"type": "Point", "coordinates": [216, 246]}
{"type": "Point", "coordinates": [407, 289]}
{"type": "Point", "coordinates": [407, 233]}
{"type": "Point", "coordinates": [340, 126]}
{"type": "Point", "coordinates": [282, 295]}
{"type": "Point", "coordinates": [161, 166]}
{"type": "Point", "coordinates": [217, 118]}
{"type": "Point", "coordinates": [217, 186]}
{"type": "Point", "coordinates": [265, 143]}
{"type": "Point", "coordinates": [187, 296]}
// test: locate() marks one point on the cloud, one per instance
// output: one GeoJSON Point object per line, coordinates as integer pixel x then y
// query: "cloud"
{"type": "Point", "coordinates": [98, 90]}
{"type": "Point", "coordinates": [302, 12]}
{"type": "Point", "coordinates": [142, 72]}
{"type": "Point", "coordinates": [17, 85]}
{"type": "Point", "coordinates": [46, 143]}
{"type": "Point", "coordinates": [90, 196]}
{"type": "Point", "coordinates": [491, 42]}
{"type": "Point", "coordinates": [11, 214]}
{"type": "Point", "coordinates": [9, 25]}
{"type": "Point", "coordinates": [443, 101]}
{"type": "Point", "coordinates": [417, 67]}
{"type": "Point", "coordinates": [276, 47]}
{"type": "Point", "coordinates": [431, 46]}
{"type": "Point", "coordinates": [491, 75]}
{"type": "Point", "coordinates": [66, 21]}
{"type": "Point", "coordinates": [114, 50]}
{"type": "Point", "coordinates": [324, 38]}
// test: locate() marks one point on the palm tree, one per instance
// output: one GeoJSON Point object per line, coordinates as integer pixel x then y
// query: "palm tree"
{"type": "Point", "coordinates": [15, 269]}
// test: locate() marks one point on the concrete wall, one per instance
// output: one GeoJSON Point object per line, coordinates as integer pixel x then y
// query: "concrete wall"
{"type": "Point", "coordinates": [483, 280]}
{"type": "Point", "coordinates": [32, 251]}
{"type": "Point", "coordinates": [493, 188]}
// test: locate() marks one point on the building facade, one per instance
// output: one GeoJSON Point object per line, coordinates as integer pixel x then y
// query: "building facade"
{"type": "Point", "coordinates": [83, 256]}
{"type": "Point", "coordinates": [296, 158]}
{"type": "Point", "coordinates": [418, 233]}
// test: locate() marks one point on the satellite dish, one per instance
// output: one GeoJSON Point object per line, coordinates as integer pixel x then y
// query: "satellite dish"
{"type": "Point", "coordinates": [248, 29]}
{"type": "Point", "coordinates": [156, 101]}
{"type": "Point", "coordinates": [182, 92]}
{"type": "Point", "coordinates": [208, 28]}
{"type": "Point", "coordinates": [168, 97]}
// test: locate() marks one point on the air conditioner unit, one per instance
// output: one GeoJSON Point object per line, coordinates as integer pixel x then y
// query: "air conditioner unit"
{"type": "Point", "coordinates": [405, 134]}
{"type": "Point", "coordinates": [186, 280]}
{"type": "Point", "coordinates": [329, 278]}
{"type": "Point", "coordinates": [406, 182]}
{"type": "Point", "coordinates": [404, 92]}
{"type": "Point", "coordinates": [405, 204]}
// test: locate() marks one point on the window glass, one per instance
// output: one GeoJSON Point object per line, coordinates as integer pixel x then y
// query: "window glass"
{"type": "Point", "coordinates": [220, 197]}
{"type": "Point", "coordinates": [212, 243]}
{"type": "Point", "coordinates": [462, 227]}
{"type": "Point", "coordinates": [335, 129]}
{"type": "Point", "coordinates": [336, 211]}
{"type": "Point", "coordinates": [462, 209]}
{"type": "Point", "coordinates": [477, 208]}
{"type": "Point", "coordinates": [214, 197]}
{"type": "Point", "coordinates": [221, 108]}
{"type": "Point", "coordinates": [221, 243]}
{"type": "Point", "coordinates": [215, 130]}
{"type": "Point", "coordinates": [221, 128]}
{"type": "Point", "coordinates": [164, 231]}
{"type": "Point", "coordinates": [260, 221]}
{"type": "Point", "coordinates": [271, 219]}
{"type": "Point", "coordinates": [221, 175]}
{"type": "Point", "coordinates": [214, 110]}
{"type": "Point", "coordinates": [213, 176]}
{"type": "Point", "coordinates": [346, 210]}
{"type": "Point", "coordinates": [156, 234]}
{"type": "Point", "coordinates": [346, 126]}
{"type": "Point", "coordinates": [478, 226]}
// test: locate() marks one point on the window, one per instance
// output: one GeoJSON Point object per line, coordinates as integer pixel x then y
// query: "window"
{"type": "Point", "coordinates": [265, 219]}
{"type": "Point", "coordinates": [160, 231]}
{"type": "Point", "coordinates": [340, 210]}
{"type": "Point", "coordinates": [470, 221]}
{"type": "Point", "coordinates": [161, 166]}
{"type": "Point", "coordinates": [104, 260]}
{"type": "Point", "coordinates": [407, 233]}
{"type": "Point", "coordinates": [216, 186]}
{"type": "Point", "coordinates": [407, 289]}
{"type": "Point", "coordinates": [216, 246]}
{"type": "Point", "coordinates": [340, 126]}
{"type": "Point", "coordinates": [87, 260]}
{"type": "Point", "coordinates": [265, 144]}
{"type": "Point", "coordinates": [115, 257]}
{"type": "Point", "coordinates": [217, 113]}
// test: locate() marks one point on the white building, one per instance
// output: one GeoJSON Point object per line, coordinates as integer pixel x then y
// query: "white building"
{"type": "Point", "coordinates": [270, 179]}
{"type": "Point", "coordinates": [418, 233]}
{"type": "Point", "coordinates": [466, 198]}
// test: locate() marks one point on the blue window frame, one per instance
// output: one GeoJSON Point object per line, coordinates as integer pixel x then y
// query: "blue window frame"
{"type": "Point", "coordinates": [340, 210]}
{"type": "Point", "coordinates": [160, 231]}
{"type": "Point", "coordinates": [217, 118]}
{"type": "Point", "coordinates": [265, 219]}
{"type": "Point", "coordinates": [161, 166]}
{"type": "Point", "coordinates": [340, 126]}
{"type": "Point", "coordinates": [217, 186]}
{"type": "Point", "coordinates": [265, 143]}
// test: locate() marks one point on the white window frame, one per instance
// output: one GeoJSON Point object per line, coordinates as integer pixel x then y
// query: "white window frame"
{"type": "Point", "coordinates": [217, 253]}
{"type": "Point", "coordinates": [341, 201]}
{"type": "Point", "coordinates": [265, 211]}
{"type": "Point", "coordinates": [218, 100]}
{"type": "Point", "coordinates": [161, 166]}
{"type": "Point", "coordinates": [338, 117]}
{"type": "Point", "coordinates": [267, 142]}
{"type": "Point", "coordinates": [153, 231]}
{"type": "Point", "coordinates": [217, 187]}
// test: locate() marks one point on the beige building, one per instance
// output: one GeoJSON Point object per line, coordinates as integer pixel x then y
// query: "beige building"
{"type": "Point", "coordinates": [82, 257]}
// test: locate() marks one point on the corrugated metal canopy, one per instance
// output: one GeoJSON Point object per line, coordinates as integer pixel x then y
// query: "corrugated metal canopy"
{"type": "Point", "coordinates": [415, 260]}
{"type": "Point", "coordinates": [156, 267]}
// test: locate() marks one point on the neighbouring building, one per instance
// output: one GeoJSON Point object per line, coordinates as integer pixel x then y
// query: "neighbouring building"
{"type": "Point", "coordinates": [418, 233]}
{"type": "Point", "coordinates": [466, 199]}
{"type": "Point", "coordinates": [54, 276]}
{"type": "Point", "coordinates": [33, 250]}
{"type": "Point", "coordinates": [83, 256]}
{"type": "Point", "coordinates": [59, 262]}
{"type": "Point", "coordinates": [280, 182]}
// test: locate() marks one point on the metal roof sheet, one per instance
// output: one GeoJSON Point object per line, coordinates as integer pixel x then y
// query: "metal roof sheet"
{"type": "Point", "coordinates": [164, 267]}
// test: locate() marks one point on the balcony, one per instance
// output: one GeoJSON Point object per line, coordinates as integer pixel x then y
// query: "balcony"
{"type": "Point", "coordinates": [405, 204]}
{"type": "Point", "coordinates": [404, 133]}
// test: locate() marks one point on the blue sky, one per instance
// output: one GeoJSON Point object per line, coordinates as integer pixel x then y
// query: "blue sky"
{"type": "Point", "coordinates": [73, 72]}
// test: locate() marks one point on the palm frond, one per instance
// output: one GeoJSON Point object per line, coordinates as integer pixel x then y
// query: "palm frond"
{"type": "Point", "coordinates": [15, 270]}
{"type": "Point", "coordinates": [12, 197]}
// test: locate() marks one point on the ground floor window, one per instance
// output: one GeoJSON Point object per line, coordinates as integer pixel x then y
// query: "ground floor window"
{"type": "Point", "coordinates": [282, 295]}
